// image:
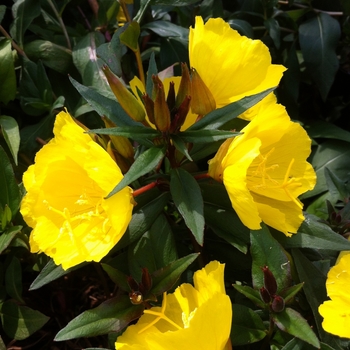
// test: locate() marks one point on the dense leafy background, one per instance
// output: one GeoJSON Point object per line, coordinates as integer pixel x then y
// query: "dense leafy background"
{"type": "Point", "coordinates": [50, 50]}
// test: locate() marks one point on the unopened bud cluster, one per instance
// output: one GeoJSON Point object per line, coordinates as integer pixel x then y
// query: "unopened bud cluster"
{"type": "Point", "coordinates": [166, 112]}
{"type": "Point", "coordinates": [268, 291]}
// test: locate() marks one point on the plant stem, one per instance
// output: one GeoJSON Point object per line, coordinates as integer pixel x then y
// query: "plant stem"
{"type": "Point", "coordinates": [14, 45]}
{"type": "Point", "coordinates": [64, 30]}
{"type": "Point", "coordinates": [145, 188]}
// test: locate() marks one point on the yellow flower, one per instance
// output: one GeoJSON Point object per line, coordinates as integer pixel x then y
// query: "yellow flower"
{"type": "Point", "coordinates": [196, 317]}
{"type": "Point", "coordinates": [65, 202]}
{"type": "Point", "coordinates": [336, 312]}
{"type": "Point", "coordinates": [232, 66]}
{"type": "Point", "coordinates": [265, 170]}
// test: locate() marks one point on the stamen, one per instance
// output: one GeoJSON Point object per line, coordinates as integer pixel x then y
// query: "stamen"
{"type": "Point", "coordinates": [160, 315]}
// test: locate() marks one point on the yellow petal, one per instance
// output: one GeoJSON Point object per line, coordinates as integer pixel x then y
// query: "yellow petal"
{"type": "Point", "coordinates": [232, 66]}
{"type": "Point", "coordinates": [236, 165]}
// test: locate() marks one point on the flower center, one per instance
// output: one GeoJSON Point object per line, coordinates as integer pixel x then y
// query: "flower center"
{"type": "Point", "coordinates": [160, 315]}
{"type": "Point", "coordinates": [267, 181]}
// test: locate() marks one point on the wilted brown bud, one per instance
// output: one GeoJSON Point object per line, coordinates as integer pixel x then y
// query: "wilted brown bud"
{"type": "Point", "coordinates": [136, 297]}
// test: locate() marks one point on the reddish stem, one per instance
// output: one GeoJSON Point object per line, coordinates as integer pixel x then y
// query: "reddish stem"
{"type": "Point", "coordinates": [145, 188]}
{"type": "Point", "coordinates": [202, 176]}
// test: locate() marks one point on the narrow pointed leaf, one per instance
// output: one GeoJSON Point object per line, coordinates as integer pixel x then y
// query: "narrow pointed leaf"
{"type": "Point", "coordinates": [219, 117]}
{"type": "Point", "coordinates": [104, 106]}
{"type": "Point", "coordinates": [266, 251]}
{"type": "Point", "coordinates": [251, 294]}
{"type": "Point", "coordinates": [293, 323]}
{"type": "Point", "coordinates": [10, 131]}
{"type": "Point", "coordinates": [49, 273]}
{"type": "Point", "coordinates": [144, 164]}
{"type": "Point", "coordinates": [188, 200]}
{"type": "Point", "coordinates": [19, 322]}
{"type": "Point", "coordinates": [247, 326]}
{"type": "Point", "coordinates": [165, 278]}
{"type": "Point", "coordinates": [206, 136]}
{"type": "Point", "coordinates": [111, 316]}
{"type": "Point", "coordinates": [133, 132]}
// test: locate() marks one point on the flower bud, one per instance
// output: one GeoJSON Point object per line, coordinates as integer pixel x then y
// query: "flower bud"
{"type": "Point", "coordinates": [185, 87]}
{"type": "Point", "coordinates": [269, 280]}
{"type": "Point", "coordinates": [203, 101]}
{"type": "Point", "coordinates": [181, 114]}
{"type": "Point", "coordinates": [264, 295]}
{"type": "Point", "coordinates": [277, 304]}
{"type": "Point", "coordinates": [126, 99]}
{"type": "Point", "coordinates": [121, 144]}
{"type": "Point", "coordinates": [161, 109]}
{"type": "Point", "coordinates": [149, 105]}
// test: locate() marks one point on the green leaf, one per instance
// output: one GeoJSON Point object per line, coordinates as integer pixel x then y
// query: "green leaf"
{"type": "Point", "coordinates": [315, 235]}
{"type": "Point", "coordinates": [166, 277]}
{"type": "Point", "coordinates": [112, 315]}
{"type": "Point", "coordinates": [247, 326]}
{"type": "Point", "coordinates": [118, 277]}
{"type": "Point", "coordinates": [325, 130]}
{"type": "Point", "coordinates": [273, 27]}
{"type": "Point", "coordinates": [23, 11]}
{"type": "Point", "coordinates": [293, 323]}
{"type": "Point", "coordinates": [54, 56]}
{"type": "Point", "coordinates": [144, 163]}
{"type": "Point", "coordinates": [104, 106]}
{"type": "Point", "coordinates": [143, 218]}
{"type": "Point", "coordinates": [13, 280]}
{"type": "Point", "coordinates": [206, 136]}
{"type": "Point", "coordinates": [49, 273]}
{"type": "Point", "coordinates": [88, 64]}
{"type": "Point", "coordinates": [181, 146]}
{"type": "Point", "coordinates": [220, 116]}
{"type": "Point", "coordinates": [337, 188]}
{"type": "Point", "coordinates": [297, 344]}
{"type": "Point", "coordinates": [143, 7]}
{"type": "Point", "coordinates": [35, 89]}
{"type": "Point", "coordinates": [152, 70]}
{"type": "Point", "coordinates": [7, 237]}
{"type": "Point", "coordinates": [9, 194]}
{"type": "Point", "coordinates": [188, 200]}
{"type": "Point", "coordinates": [154, 250]}
{"type": "Point", "coordinates": [314, 288]}
{"type": "Point", "coordinates": [243, 27]}
{"type": "Point", "coordinates": [226, 224]}
{"type": "Point", "coordinates": [289, 293]}
{"type": "Point", "coordinates": [133, 132]}
{"type": "Point", "coordinates": [173, 2]}
{"type": "Point", "coordinates": [167, 29]}
{"type": "Point", "coordinates": [19, 322]}
{"type": "Point", "coordinates": [130, 36]}
{"type": "Point", "coordinates": [9, 128]}
{"type": "Point", "coordinates": [251, 294]}
{"type": "Point", "coordinates": [7, 72]}
{"type": "Point", "coordinates": [2, 12]}
{"type": "Point", "coordinates": [112, 53]}
{"type": "Point", "coordinates": [318, 37]}
{"type": "Point", "coordinates": [266, 251]}
{"type": "Point", "coordinates": [331, 154]}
